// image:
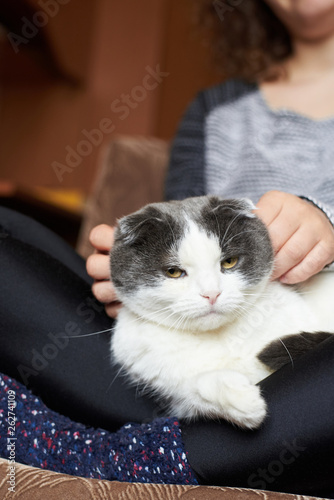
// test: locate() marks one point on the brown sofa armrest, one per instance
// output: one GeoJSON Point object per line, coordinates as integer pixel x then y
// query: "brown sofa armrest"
{"type": "Point", "coordinates": [39, 484]}
{"type": "Point", "coordinates": [131, 175]}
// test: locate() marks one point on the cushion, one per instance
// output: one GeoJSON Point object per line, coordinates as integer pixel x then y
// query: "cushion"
{"type": "Point", "coordinates": [131, 175]}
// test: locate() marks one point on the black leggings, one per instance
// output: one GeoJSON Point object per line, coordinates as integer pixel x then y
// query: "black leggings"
{"type": "Point", "coordinates": [45, 298]}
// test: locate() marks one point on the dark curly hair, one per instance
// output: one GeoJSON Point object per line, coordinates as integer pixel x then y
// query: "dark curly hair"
{"type": "Point", "coordinates": [247, 38]}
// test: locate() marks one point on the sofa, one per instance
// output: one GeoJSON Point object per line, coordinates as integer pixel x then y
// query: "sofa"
{"type": "Point", "coordinates": [38, 484]}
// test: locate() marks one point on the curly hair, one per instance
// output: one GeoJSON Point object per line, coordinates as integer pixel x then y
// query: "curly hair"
{"type": "Point", "coordinates": [247, 38]}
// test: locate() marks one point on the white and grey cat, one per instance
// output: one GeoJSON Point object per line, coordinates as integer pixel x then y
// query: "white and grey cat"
{"type": "Point", "coordinates": [202, 323]}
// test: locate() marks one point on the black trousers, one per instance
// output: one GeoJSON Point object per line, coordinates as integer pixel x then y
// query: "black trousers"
{"type": "Point", "coordinates": [45, 298]}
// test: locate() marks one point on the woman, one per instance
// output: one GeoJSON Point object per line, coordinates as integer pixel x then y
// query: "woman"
{"type": "Point", "coordinates": [293, 451]}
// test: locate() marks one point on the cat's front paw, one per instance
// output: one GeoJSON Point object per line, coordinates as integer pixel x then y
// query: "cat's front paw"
{"type": "Point", "coordinates": [246, 408]}
{"type": "Point", "coordinates": [234, 398]}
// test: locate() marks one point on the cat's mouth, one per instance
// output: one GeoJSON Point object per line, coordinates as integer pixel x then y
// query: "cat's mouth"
{"type": "Point", "coordinates": [208, 320]}
{"type": "Point", "coordinates": [210, 313]}
{"type": "Point", "coordinates": [217, 314]}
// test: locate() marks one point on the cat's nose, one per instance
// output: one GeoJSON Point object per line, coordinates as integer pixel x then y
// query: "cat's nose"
{"type": "Point", "coordinates": [212, 296]}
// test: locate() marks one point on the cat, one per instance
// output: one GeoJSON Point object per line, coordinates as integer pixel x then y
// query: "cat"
{"type": "Point", "coordinates": [201, 322]}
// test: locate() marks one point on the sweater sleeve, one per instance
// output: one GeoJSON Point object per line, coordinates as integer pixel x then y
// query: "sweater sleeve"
{"type": "Point", "coordinates": [186, 175]}
{"type": "Point", "coordinates": [329, 212]}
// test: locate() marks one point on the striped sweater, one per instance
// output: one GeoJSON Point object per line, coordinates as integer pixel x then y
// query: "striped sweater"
{"type": "Point", "coordinates": [231, 143]}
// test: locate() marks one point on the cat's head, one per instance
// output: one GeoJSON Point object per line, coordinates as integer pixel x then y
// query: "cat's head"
{"type": "Point", "coordinates": [194, 264]}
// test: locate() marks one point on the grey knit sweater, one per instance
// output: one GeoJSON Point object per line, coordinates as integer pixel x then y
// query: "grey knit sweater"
{"type": "Point", "coordinates": [230, 143]}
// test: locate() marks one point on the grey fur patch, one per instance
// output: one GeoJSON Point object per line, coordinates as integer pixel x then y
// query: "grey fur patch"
{"type": "Point", "coordinates": [147, 242]}
{"type": "Point", "coordinates": [281, 352]}
{"type": "Point", "coordinates": [240, 234]}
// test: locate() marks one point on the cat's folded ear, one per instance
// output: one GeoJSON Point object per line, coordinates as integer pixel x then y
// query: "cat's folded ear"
{"type": "Point", "coordinates": [249, 205]}
{"type": "Point", "coordinates": [135, 228]}
{"type": "Point", "coordinates": [241, 205]}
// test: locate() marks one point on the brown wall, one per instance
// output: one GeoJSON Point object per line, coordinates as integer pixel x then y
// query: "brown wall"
{"type": "Point", "coordinates": [91, 67]}
{"type": "Point", "coordinates": [189, 62]}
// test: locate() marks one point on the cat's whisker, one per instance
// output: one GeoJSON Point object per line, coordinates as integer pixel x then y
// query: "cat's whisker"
{"type": "Point", "coordinates": [140, 320]}
{"type": "Point", "coordinates": [254, 305]}
{"type": "Point", "coordinates": [184, 323]}
{"type": "Point", "coordinates": [155, 315]}
{"type": "Point", "coordinates": [157, 320]}
{"type": "Point", "coordinates": [240, 312]}
{"type": "Point", "coordinates": [161, 313]}
{"type": "Point", "coordinates": [287, 350]}
{"type": "Point", "coordinates": [166, 319]}
{"type": "Point", "coordinates": [246, 308]}
{"type": "Point", "coordinates": [85, 334]}
{"type": "Point", "coordinates": [121, 369]}
{"type": "Point", "coordinates": [152, 316]}
{"type": "Point", "coordinates": [182, 326]}
{"type": "Point", "coordinates": [176, 324]}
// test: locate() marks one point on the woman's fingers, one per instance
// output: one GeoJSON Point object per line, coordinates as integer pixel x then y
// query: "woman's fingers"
{"type": "Point", "coordinates": [104, 292]}
{"type": "Point", "coordinates": [301, 234]}
{"type": "Point", "coordinates": [112, 309]}
{"type": "Point", "coordinates": [312, 264]}
{"type": "Point", "coordinates": [292, 253]}
{"type": "Point", "coordinates": [98, 266]}
{"type": "Point", "coordinates": [102, 237]}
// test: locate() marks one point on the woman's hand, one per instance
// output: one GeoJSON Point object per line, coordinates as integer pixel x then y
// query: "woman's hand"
{"type": "Point", "coordinates": [98, 267]}
{"type": "Point", "coordinates": [301, 234]}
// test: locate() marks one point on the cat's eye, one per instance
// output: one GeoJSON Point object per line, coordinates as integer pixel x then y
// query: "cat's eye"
{"type": "Point", "coordinates": [229, 263]}
{"type": "Point", "coordinates": [175, 272]}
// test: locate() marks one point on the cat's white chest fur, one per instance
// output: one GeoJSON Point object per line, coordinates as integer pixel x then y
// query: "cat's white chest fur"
{"type": "Point", "coordinates": [195, 340]}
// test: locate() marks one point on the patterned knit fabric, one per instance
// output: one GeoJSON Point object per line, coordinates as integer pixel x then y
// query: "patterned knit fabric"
{"type": "Point", "coordinates": [42, 438]}
{"type": "Point", "coordinates": [231, 143]}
